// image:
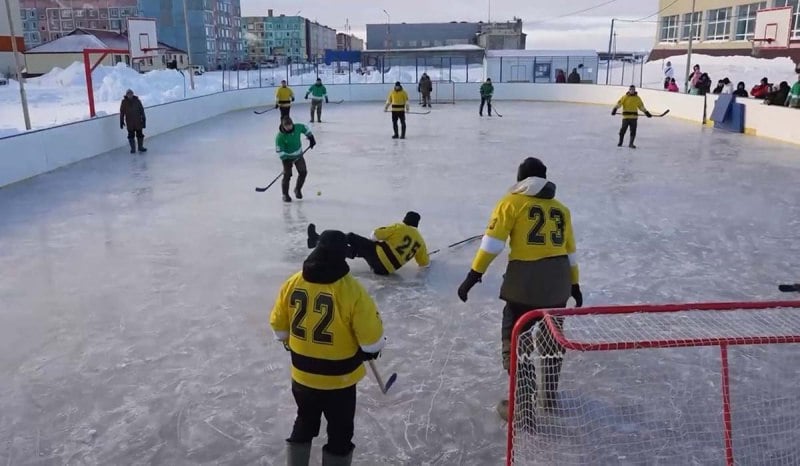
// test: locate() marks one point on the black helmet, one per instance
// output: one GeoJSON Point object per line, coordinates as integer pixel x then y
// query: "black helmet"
{"type": "Point", "coordinates": [531, 167]}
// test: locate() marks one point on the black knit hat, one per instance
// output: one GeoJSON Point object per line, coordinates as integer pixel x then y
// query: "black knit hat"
{"type": "Point", "coordinates": [531, 167]}
{"type": "Point", "coordinates": [334, 244]}
{"type": "Point", "coordinates": [398, 84]}
{"type": "Point", "coordinates": [412, 219]}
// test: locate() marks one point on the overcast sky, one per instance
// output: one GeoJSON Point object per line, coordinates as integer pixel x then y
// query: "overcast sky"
{"type": "Point", "coordinates": [545, 31]}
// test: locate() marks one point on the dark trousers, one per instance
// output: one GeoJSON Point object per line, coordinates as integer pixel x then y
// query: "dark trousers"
{"type": "Point", "coordinates": [339, 409]}
{"type": "Point", "coordinates": [302, 172]}
{"type": "Point", "coordinates": [631, 123]}
{"type": "Point", "coordinates": [486, 101]}
{"type": "Point", "coordinates": [134, 136]}
{"type": "Point", "coordinates": [316, 106]}
{"type": "Point", "coordinates": [366, 249]}
{"type": "Point", "coordinates": [399, 116]}
{"type": "Point", "coordinates": [285, 111]}
{"type": "Point", "coordinates": [426, 99]}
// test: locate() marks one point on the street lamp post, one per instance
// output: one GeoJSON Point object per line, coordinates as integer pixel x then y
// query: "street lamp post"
{"type": "Point", "coordinates": [689, 49]}
{"type": "Point", "coordinates": [20, 78]}
{"type": "Point", "coordinates": [388, 30]}
{"type": "Point", "coordinates": [188, 44]}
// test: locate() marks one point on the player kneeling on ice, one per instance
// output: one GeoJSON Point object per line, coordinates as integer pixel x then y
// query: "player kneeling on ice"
{"type": "Point", "coordinates": [330, 325]}
{"type": "Point", "coordinates": [289, 147]}
{"type": "Point", "coordinates": [541, 273]}
{"type": "Point", "coordinates": [631, 103]}
{"type": "Point", "coordinates": [318, 92]}
{"type": "Point", "coordinates": [390, 248]}
{"type": "Point", "coordinates": [131, 113]}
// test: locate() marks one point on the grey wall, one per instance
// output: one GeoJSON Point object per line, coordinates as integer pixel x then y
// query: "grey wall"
{"type": "Point", "coordinates": [376, 34]}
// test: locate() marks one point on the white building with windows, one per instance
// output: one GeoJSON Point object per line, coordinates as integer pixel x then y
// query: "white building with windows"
{"type": "Point", "coordinates": [719, 27]}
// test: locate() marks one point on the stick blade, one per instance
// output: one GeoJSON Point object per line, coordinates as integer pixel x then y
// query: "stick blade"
{"type": "Point", "coordinates": [390, 382]}
{"type": "Point", "coordinates": [790, 288]}
{"type": "Point", "coordinates": [665, 112]}
{"type": "Point", "coordinates": [260, 190]}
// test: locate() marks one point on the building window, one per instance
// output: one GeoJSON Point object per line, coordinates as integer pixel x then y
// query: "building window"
{"type": "Point", "coordinates": [113, 12]}
{"type": "Point", "coordinates": [93, 13]}
{"type": "Point", "coordinates": [116, 24]}
{"type": "Point", "coordinates": [66, 13]}
{"type": "Point", "coordinates": [796, 18]}
{"type": "Point", "coordinates": [67, 25]}
{"type": "Point", "coordinates": [669, 29]}
{"type": "Point", "coordinates": [719, 24]}
{"type": "Point", "coordinates": [80, 13]}
{"type": "Point", "coordinates": [746, 20]}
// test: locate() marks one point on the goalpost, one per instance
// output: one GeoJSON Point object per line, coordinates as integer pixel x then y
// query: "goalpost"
{"type": "Point", "coordinates": [444, 92]}
{"type": "Point", "coordinates": [709, 383]}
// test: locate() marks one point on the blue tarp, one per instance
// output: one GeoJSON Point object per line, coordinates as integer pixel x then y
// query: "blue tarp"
{"type": "Point", "coordinates": [349, 56]}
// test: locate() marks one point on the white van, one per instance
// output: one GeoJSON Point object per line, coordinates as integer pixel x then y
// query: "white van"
{"type": "Point", "coordinates": [198, 69]}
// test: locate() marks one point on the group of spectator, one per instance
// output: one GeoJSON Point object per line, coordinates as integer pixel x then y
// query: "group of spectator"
{"type": "Point", "coordinates": [573, 78]}
{"type": "Point", "coordinates": [700, 84]}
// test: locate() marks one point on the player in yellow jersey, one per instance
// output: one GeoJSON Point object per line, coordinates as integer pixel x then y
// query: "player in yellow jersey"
{"type": "Point", "coordinates": [398, 101]}
{"type": "Point", "coordinates": [631, 103]}
{"type": "Point", "coordinates": [284, 96]}
{"type": "Point", "coordinates": [390, 248]}
{"type": "Point", "coordinates": [542, 271]}
{"type": "Point", "coordinates": [331, 326]}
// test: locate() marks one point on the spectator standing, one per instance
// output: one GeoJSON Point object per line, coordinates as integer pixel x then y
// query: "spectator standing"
{"type": "Point", "coordinates": [561, 77]}
{"type": "Point", "coordinates": [741, 91]}
{"type": "Point", "coordinates": [669, 75]}
{"type": "Point", "coordinates": [673, 86]}
{"type": "Point", "coordinates": [794, 94]}
{"type": "Point", "coordinates": [694, 80]}
{"type": "Point", "coordinates": [574, 77]}
{"type": "Point", "coordinates": [131, 113]}
{"type": "Point", "coordinates": [779, 96]}
{"type": "Point", "coordinates": [761, 90]}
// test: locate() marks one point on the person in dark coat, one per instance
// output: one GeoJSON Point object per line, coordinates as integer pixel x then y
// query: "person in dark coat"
{"type": "Point", "coordinates": [561, 78]}
{"type": "Point", "coordinates": [131, 113]}
{"type": "Point", "coordinates": [779, 96]}
{"type": "Point", "coordinates": [741, 90]}
{"type": "Point", "coordinates": [574, 77]}
{"type": "Point", "coordinates": [425, 88]}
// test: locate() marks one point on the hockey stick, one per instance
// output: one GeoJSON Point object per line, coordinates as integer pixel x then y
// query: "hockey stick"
{"type": "Point", "coordinates": [656, 115]}
{"type": "Point", "coordinates": [471, 238]}
{"type": "Point", "coordinates": [496, 112]}
{"type": "Point", "coordinates": [336, 102]}
{"type": "Point", "coordinates": [384, 387]}
{"type": "Point", "coordinates": [263, 111]}
{"type": "Point", "coordinates": [261, 190]}
{"type": "Point", "coordinates": [794, 288]}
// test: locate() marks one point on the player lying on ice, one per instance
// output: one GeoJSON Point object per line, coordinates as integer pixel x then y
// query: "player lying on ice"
{"type": "Point", "coordinates": [390, 248]}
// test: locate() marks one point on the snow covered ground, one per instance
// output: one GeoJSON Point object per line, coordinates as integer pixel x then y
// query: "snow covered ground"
{"type": "Point", "coordinates": [60, 96]}
{"type": "Point", "coordinates": [747, 69]}
{"type": "Point", "coordinates": [136, 289]}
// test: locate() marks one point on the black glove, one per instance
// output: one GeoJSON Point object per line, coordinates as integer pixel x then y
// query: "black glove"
{"type": "Point", "coordinates": [311, 142]}
{"type": "Point", "coordinates": [577, 295]}
{"type": "Point", "coordinates": [121, 125]}
{"type": "Point", "coordinates": [368, 356]}
{"type": "Point", "coordinates": [292, 98]}
{"type": "Point", "coordinates": [614, 111]}
{"type": "Point", "coordinates": [326, 99]}
{"type": "Point", "coordinates": [276, 105]}
{"type": "Point", "coordinates": [473, 277]}
{"type": "Point", "coordinates": [648, 114]}
{"type": "Point", "coordinates": [306, 97]}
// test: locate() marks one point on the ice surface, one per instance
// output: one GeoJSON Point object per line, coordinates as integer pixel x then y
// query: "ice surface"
{"type": "Point", "coordinates": [135, 290]}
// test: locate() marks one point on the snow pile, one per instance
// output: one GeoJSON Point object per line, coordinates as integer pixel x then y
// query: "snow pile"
{"type": "Point", "coordinates": [750, 70]}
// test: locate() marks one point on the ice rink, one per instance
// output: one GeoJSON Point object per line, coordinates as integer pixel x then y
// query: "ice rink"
{"type": "Point", "coordinates": [135, 290]}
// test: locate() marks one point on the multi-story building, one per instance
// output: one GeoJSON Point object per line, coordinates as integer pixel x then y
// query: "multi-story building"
{"type": "Point", "coordinates": [502, 36]}
{"type": "Point", "coordinates": [7, 62]}
{"type": "Point", "coordinates": [422, 35]}
{"type": "Point", "coordinates": [348, 42]}
{"type": "Point", "coordinates": [215, 29]}
{"type": "Point", "coordinates": [255, 39]}
{"type": "Point", "coordinates": [46, 20]}
{"type": "Point", "coordinates": [319, 38]}
{"type": "Point", "coordinates": [719, 27]}
{"type": "Point", "coordinates": [286, 37]}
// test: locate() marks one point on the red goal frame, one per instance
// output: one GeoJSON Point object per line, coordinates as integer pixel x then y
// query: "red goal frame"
{"type": "Point", "coordinates": [547, 316]}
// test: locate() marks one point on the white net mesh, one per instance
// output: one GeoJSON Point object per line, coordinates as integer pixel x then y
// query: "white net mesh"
{"type": "Point", "coordinates": [616, 404]}
{"type": "Point", "coordinates": [444, 92]}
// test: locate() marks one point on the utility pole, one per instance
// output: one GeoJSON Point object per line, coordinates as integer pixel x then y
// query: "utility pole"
{"type": "Point", "coordinates": [608, 57]}
{"type": "Point", "coordinates": [689, 50]}
{"type": "Point", "coordinates": [20, 78]}
{"type": "Point", "coordinates": [188, 43]}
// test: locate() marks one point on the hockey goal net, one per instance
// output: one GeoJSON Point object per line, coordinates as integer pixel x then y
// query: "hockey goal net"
{"type": "Point", "coordinates": [693, 384]}
{"type": "Point", "coordinates": [444, 92]}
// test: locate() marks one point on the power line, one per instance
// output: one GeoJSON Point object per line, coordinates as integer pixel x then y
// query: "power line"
{"type": "Point", "coordinates": [656, 13]}
{"type": "Point", "coordinates": [588, 9]}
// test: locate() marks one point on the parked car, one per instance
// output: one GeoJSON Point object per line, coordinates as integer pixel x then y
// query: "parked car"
{"type": "Point", "coordinates": [198, 69]}
{"type": "Point", "coordinates": [270, 64]}
{"type": "Point", "coordinates": [3, 80]}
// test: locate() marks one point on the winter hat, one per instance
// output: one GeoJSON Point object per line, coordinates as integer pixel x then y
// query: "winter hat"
{"type": "Point", "coordinates": [412, 219]}
{"type": "Point", "coordinates": [531, 167]}
{"type": "Point", "coordinates": [287, 121]}
{"type": "Point", "coordinates": [129, 92]}
{"type": "Point", "coordinates": [333, 243]}
{"type": "Point", "coordinates": [397, 84]}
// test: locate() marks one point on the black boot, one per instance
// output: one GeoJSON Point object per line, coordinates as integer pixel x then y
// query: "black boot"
{"type": "Point", "coordinates": [403, 132]}
{"type": "Point", "coordinates": [140, 140]}
{"type": "Point", "coordinates": [621, 139]}
{"type": "Point", "coordinates": [313, 236]}
{"type": "Point", "coordinates": [285, 189]}
{"type": "Point", "coordinates": [301, 180]}
{"type": "Point", "coordinates": [132, 142]}
{"type": "Point", "coordinates": [631, 144]}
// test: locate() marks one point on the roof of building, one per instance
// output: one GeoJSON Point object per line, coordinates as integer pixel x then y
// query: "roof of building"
{"type": "Point", "coordinates": [540, 53]}
{"type": "Point", "coordinates": [80, 39]}
{"type": "Point", "coordinates": [442, 48]}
